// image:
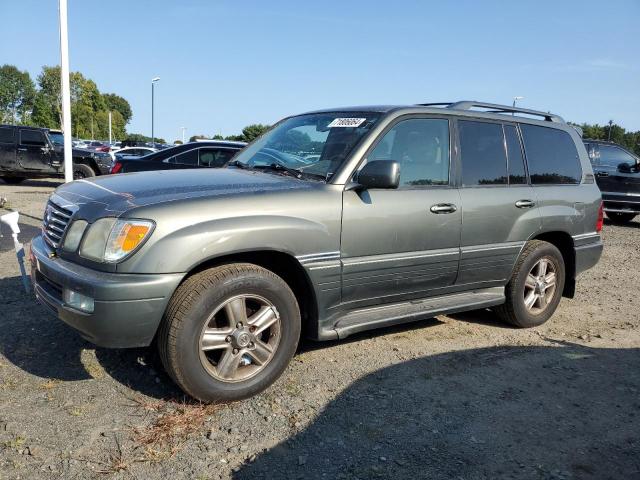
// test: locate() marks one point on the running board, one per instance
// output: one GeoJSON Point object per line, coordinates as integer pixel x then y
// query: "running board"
{"type": "Point", "coordinates": [410, 311]}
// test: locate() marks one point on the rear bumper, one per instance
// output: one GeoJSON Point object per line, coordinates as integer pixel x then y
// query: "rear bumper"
{"type": "Point", "coordinates": [621, 202]}
{"type": "Point", "coordinates": [128, 307]}
{"type": "Point", "coordinates": [588, 250]}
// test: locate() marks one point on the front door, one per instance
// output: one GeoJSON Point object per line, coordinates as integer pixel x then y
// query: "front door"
{"type": "Point", "coordinates": [499, 205]}
{"type": "Point", "coordinates": [402, 244]}
{"type": "Point", "coordinates": [34, 151]}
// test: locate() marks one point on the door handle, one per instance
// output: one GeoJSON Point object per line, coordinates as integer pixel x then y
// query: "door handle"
{"type": "Point", "coordinates": [443, 208]}
{"type": "Point", "coordinates": [525, 204]}
{"type": "Point", "coordinates": [602, 174]}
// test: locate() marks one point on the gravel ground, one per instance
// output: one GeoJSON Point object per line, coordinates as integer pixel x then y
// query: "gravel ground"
{"type": "Point", "coordinates": [460, 396]}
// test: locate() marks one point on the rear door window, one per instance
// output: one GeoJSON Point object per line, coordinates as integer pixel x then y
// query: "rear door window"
{"type": "Point", "coordinates": [552, 156]}
{"type": "Point", "coordinates": [484, 160]}
{"type": "Point", "coordinates": [32, 137]}
{"type": "Point", "coordinates": [6, 135]}
{"type": "Point", "coordinates": [187, 158]}
{"type": "Point", "coordinates": [517, 174]}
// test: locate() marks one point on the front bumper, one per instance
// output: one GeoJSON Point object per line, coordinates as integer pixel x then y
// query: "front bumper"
{"type": "Point", "coordinates": [128, 307]}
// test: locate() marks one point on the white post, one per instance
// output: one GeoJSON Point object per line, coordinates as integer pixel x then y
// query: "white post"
{"type": "Point", "coordinates": [66, 91]}
{"type": "Point", "coordinates": [109, 127]}
{"type": "Point", "coordinates": [183, 129]}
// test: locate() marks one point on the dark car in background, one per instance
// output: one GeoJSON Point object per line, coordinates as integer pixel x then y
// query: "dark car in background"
{"type": "Point", "coordinates": [214, 154]}
{"type": "Point", "coordinates": [617, 172]}
{"type": "Point", "coordinates": [30, 152]}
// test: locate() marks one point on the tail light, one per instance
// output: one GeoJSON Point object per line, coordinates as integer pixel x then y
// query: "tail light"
{"type": "Point", "coordinates": [118, 166]}
{"type": "Point", "coordinates": [600, 218]}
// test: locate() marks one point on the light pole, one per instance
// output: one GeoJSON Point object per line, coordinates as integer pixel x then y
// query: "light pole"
{"type": "Point", "coordinates": [609, 135]}
{"type": "Point", "coordinates": [515, 99]}
{"type": "Point", "coordinates": [66, 91]}
{"type": "Point", "coordinates": [183, 129]}
{"type": "Point", "coordinates": [153, 81]}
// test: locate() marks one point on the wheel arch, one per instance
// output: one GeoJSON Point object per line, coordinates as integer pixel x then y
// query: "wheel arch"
{"type": "Point", "coordinates": [563, 242]}
{"type": "Point", "coordinates": [283, 264]}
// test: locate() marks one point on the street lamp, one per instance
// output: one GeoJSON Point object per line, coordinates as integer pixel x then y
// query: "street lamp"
{"type": "Point", "coordinates": [153, 81]}
{"type": "Point", "coordinates": [515, 99]}
{"type": "Point", "coordinates": [183, 129]}
{"type": "Point", "coordinates": [66, 91]}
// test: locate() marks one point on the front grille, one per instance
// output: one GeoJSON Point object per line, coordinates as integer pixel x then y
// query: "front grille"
{"type": "Point", "coordinates": [55, 223]}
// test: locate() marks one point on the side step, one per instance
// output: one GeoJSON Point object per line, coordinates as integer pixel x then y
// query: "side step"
{"type": "Point", "coordinates": [410, 311]}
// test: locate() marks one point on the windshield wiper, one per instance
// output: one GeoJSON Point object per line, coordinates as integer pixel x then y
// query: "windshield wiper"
{"type": "Point", "coordinates": [279, 167]}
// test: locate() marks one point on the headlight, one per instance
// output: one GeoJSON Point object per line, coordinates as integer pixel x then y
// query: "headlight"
{"type": "Point", "coordinates": [110, 240]}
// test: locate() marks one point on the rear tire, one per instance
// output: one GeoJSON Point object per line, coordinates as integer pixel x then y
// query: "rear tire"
{"type": "Point", "coordinates": [216, 341]}
{"type": "Point", "coordinates": [621, 217]}
{"type": "Point", "coordinates": [81, 171]}
{"type": "Point", "coordinates": [534, 292]}
{"type": "Point", "coordinates": [13, 180]}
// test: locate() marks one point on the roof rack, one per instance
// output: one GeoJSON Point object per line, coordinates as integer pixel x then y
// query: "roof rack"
{"type": "Point", "coordinates": [496, 108]}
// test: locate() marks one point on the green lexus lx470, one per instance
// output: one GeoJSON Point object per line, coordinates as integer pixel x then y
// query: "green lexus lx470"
{"type": "Point", "coordinates": [331, 223]}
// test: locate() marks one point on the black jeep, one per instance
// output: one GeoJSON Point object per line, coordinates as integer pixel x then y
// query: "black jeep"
{"type": "Point", "coordinates": [30, 152]}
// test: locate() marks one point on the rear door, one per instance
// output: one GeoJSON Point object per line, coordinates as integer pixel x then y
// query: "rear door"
{"type": "Point", "coordinates": [34, 152]}
{"type": "Point", "coordinates": [7, 148]}
{"type": "Point", "coordinates": [396, 244]}
{"type": "Point", "coordinates": [499, 206]}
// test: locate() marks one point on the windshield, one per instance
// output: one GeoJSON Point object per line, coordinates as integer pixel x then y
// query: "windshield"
{"type": "Point", "coordinates": [56, 138]}
{"type": "Point", "coordinates": [315, 144]}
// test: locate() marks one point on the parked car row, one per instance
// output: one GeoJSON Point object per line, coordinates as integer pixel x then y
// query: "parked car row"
{"type": "Point", "coordinates": [331, 223]}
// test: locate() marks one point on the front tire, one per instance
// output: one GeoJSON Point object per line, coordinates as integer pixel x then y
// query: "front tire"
{"type": "Point", "coordinates": [621, 217]}
{"type": "Point", "coordinates": [229, 332]}
{"type": "Point", "coordinates": [81, 171]}
{"type": "Point", "coordinates": [535, 288]}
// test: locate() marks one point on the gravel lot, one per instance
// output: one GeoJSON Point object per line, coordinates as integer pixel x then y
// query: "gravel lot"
{"type": "Point", "coordinates": [453, 397]}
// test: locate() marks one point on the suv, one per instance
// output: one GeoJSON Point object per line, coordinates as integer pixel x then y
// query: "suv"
{"type": "Point", "coordinates": [618, 176]}
{"type": "Point", "coordinates": [331, 223]}
{"type": "Point", "coordinates": [29, 152]}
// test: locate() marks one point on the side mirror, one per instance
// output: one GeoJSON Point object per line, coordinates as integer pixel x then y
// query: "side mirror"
{"type": "Point", "coordinates": [379, 174]}
{"type": "Point", "coordinates": [625, 168]}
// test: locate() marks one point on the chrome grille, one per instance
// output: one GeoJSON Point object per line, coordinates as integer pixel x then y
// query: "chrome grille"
{"type": "Point", "coordinates": [56, 220]}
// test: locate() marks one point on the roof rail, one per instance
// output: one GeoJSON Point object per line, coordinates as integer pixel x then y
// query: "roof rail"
{"type": "Point", "coordinates": [495, 108]}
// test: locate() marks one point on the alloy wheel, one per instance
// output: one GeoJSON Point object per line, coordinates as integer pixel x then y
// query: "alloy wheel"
{"type": "Point", "coordinates": [540, 286]}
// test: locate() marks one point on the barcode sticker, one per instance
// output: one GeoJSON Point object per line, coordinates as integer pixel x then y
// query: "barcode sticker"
{"type": "Point", "coordinates": [346, 122]}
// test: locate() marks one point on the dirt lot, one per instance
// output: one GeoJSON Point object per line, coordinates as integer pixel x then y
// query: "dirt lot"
{"type": "Point", "coordinates": [453, 397]}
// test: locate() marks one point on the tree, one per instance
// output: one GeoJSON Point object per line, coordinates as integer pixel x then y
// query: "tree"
{"type": "Point", "coordinates": [138, 137]}
{"type": "Point", "coordinates": [117, 103]}
{"type": "Point", "coordinates": [193, 138]}
{"type": "Point", "coordinates": [177, 142]}
{"type": "Point", "coordinates": [251, 132]}
{"type": "Point", "coordinates": [17, 95]}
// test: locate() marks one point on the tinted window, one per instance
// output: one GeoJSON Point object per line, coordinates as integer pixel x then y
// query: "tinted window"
{"type": "Point", "coordinates": [211, 157]}
{"type": "Point", "coordinates": [186, 158]}
{"type": "Point", "coordinates": [6, 135]}
{"type": "Point", "coordinates": [517, 175]}
{"type": "Point", "coordinates": [421, 147]}
{"type": "Point", "coordinates": [32, 137]}
{"type": "Point", "coordinates": [551, 155]}
{"type": "Point", "coordinates": [484, 160]}
{"type": "Point", "coordinates": [611, 156]}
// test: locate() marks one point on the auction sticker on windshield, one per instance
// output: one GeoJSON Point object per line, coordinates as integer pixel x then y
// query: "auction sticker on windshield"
{"type": "Point", "coordinates": [347, 122]}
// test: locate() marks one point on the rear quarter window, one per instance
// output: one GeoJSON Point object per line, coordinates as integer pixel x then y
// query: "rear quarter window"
{"type": "Point", "coordinates": [551, 155]}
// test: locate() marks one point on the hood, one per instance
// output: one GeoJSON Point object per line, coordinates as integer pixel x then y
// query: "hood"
{"type": "Point", "coordinates": [112, 195]}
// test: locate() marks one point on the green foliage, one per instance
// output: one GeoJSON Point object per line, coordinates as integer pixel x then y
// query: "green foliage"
{"type": "Point", "coordinates": [138, 137]}
{"type": "Point", "coordinates": [117, 103]}
{"type": "Point", "coordinates": [177, 142]}
{"type": "Point", "coordinates": [17, 95]}
{"type": "Point", "coordinates": [193, 138]}
{"type": "Point", "coordinates": [629, 140]}
{"type": "Point", "coordinates": [251, 132]}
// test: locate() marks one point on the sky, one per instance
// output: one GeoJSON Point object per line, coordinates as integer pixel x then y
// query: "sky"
{"type": "Point", "coordinates": [226, 64]}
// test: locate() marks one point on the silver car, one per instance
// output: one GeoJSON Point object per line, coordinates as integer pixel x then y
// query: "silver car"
{"type": "Point", "coordinates": [331, 223]}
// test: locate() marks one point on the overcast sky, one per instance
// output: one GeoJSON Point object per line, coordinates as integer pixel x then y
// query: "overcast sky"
{"type": "Point", "coordinates": [226, 64]}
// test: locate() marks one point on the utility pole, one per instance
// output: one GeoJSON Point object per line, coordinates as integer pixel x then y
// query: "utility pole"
{"type": "Point", "coordinates": [66, 90]}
